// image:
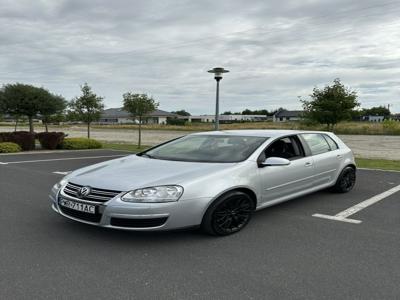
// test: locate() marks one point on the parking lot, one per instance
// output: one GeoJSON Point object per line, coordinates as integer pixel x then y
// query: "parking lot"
{"type": "Point", "coordinates": [291, 250]}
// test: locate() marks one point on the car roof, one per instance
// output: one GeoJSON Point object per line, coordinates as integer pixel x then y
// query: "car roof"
{"type": "Point", "coordinates": [271, 133]}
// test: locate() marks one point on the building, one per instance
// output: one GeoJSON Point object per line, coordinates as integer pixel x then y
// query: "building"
{"type": "Point", "coordinates": [373, 118]}
{"type": "Point", "coordinates": [287, 115]}
{"type": "Point", "coordinates": [120, 116]}
{"type": "Point", "coordinates": [224, 118]}
{"type": "Point", "coordinates": [396, 117]}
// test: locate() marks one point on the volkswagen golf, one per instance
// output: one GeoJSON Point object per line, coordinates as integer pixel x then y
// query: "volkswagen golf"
{"type": "Point", "coordinates": [213, 180]}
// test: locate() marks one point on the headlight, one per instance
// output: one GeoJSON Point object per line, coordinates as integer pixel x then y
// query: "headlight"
{"type": "Point", "coordinates": [155, 194]}
{"type": "Point", "coordinates": [59, 185]}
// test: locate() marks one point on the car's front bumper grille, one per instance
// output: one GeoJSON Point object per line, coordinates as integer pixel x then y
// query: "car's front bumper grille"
{"type": "Point", "coordinates": [96, 195]}
{"type": "Point", "coordinates": [138, 223]}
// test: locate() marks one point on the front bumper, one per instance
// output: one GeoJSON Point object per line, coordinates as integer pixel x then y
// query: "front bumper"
{"type": "Point", "coordinates": [118, 214]}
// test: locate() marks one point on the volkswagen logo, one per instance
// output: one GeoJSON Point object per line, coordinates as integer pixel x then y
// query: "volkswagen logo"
{"type": "Point", "coordinates": [84, 191]}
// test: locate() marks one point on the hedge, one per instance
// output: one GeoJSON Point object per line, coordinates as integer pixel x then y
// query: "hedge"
{"type": "Point", "coordinates": [176, 121]}
{"type": "Point", "coordinates": [7, 147]}
{"type": "Point", "coordinates": [50, 140]}
{"type": "Point", "coordinates": [80, 143]}
{"type": "Point", "coordinates": [24, 139]}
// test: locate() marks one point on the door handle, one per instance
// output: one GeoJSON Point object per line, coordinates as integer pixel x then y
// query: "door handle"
{"type": "Point", "coordinates": [339, 156]}
{"type": "Point", "coordinates": [308, 164]}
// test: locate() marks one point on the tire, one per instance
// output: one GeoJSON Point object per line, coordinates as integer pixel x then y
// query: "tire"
{"type": "Point", "coordinates": [228, 214]}
{"type": "Point", "coordinates": [345, 181]}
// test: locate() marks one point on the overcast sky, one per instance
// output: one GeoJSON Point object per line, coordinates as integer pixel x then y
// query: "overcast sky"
{"type": "Point", "coordinates": [275, 50]}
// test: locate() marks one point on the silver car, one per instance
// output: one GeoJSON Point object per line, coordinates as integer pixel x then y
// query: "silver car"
{"type": "Point", "coordinates": [215, 180]}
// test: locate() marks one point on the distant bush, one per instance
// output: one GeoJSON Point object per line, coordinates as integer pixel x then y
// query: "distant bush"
{"type": "Point", "coordinates": [7, 147]}
{"type": "Point", "coordinates": [50, 140]}
{"type": "Point", "coordinates": [391, 126]}
{"type": "Point", "coordinates": [179, 122]}
{"type": "Point", "coordinates": [80, 143]}
{"type": "Point", "coordinates": [24, 139]}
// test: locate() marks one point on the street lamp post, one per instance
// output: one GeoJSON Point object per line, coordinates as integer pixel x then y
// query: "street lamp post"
{"type": "Point", "coordinates": [218, 76]}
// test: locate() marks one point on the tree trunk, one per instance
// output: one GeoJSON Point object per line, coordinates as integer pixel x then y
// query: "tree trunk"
{"type": "Point", "coordinates": [88, 130]}
{"type": "Point", "coordinates": [16, 123]}
{"type": "Point", "coordinates": [30, 124]}
{"type": "Point", "coordinates": [140, 132]}
{"type": "Point", "coordinates": [45, 125]}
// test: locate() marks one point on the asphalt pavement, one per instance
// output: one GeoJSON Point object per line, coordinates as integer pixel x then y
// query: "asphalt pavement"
{"type": "Point", "coordinates": [284, 253]}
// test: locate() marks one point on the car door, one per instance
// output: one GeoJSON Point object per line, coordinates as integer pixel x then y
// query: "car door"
{"type": "Point", "coordinates": [326, 157]}
{"type": "Point", "coordinates": [280, 182]}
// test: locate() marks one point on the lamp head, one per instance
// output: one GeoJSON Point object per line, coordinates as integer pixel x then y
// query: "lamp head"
{"type": "Point", "coordinates": [218, 72]}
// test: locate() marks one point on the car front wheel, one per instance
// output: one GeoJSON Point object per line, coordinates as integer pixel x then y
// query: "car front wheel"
{"type": "Point", "coordinates": [228, 214]}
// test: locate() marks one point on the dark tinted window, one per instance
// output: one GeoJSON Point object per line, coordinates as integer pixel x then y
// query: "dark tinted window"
{"type": "Point", "coordinates": [331, 142]}
{"type": "Point", "coordinates": [288, 147]}
{"type": "Point", "coordinates": [316, 142]}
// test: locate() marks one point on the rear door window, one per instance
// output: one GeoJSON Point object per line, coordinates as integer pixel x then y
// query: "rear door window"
{"type": "Point", "coordinates": [316, 142]}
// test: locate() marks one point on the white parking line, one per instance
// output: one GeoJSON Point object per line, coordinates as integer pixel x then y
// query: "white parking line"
{"type": "Point", "coordinates": [57, 159]}
{"type": "Point", "coordinates": [342, 216]}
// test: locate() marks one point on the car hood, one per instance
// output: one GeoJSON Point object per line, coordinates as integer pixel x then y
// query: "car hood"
{"type": "Point", "coordinates": [133, 172]}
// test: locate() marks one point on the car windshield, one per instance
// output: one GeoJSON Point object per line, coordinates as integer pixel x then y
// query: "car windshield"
{"type": "Point", "coordinates": [207, 148]}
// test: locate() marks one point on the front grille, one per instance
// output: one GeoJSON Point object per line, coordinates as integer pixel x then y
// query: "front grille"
{"type": "Point", "coordinates": [95, 218]}
{"type": "Point", "coordinates": [138, 223]}
{"type": "Point", "coordinates": [96, 195]}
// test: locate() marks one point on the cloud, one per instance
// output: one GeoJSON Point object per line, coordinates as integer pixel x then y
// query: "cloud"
{"type": "Point", "coordinates": [276, 50]}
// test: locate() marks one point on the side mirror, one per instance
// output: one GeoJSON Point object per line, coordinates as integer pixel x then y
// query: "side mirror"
{"type": "Point", "coordinates": [274, 161]}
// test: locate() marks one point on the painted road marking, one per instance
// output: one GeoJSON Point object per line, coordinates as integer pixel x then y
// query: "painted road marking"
{"type": "Point", "coordinates": [343, 215]}
{"type": "Point", "coordinates": [62, 173]}
{"type": "Point", "coordinates": [58, 159]}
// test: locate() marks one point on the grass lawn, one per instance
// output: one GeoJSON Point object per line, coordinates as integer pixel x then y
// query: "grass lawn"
{"type": "Point", "coordinates": [361, 162]}
{"type": "Point", "coordinates": [365, 128]}
{"type": "Point", "coordinates": [378, 164]}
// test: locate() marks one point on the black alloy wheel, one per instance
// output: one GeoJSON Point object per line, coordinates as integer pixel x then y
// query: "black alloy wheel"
{"type": "Point", "coordinates": [346, 180]}
{"type": "Point", "coordinates": [228, 214]}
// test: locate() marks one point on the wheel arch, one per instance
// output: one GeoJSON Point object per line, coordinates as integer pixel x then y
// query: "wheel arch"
{"type": "Point", "coordinates": [242, 189]}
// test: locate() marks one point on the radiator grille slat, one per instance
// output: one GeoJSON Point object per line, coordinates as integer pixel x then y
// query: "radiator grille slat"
{"type": "Point", "coordinates": [96, 194]}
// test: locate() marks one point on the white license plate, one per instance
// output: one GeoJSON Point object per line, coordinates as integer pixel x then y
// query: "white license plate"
{"type": "Point", "coordinates": [87, 208]}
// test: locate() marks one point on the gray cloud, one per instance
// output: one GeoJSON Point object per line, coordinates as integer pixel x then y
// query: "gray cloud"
{"type": "Point", "coordinates": [276, 50]}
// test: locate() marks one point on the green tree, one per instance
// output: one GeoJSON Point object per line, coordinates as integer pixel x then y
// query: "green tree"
{"type": "Point", "coordinates": [181, 112]}
{"type": "Point", "coordinates": [86, 108]}
{"type": "Point", "coordinates": [255, 112]}
{"type": "Point", "coordinates": [377, 111]}
{"type": "Point", "coordinates": [23, 100]}
{"type": "Point", "coordinates": [139, 106]}
{"type": "Point", "coordinates": [330, 105]}
{"type": "Point", "coordinates": [50, 107]}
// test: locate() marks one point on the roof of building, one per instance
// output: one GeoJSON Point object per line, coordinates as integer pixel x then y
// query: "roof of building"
{"type": "Point", "coordinates": [289, 113]}
{"type": "Point", "coordinates": [121, 113]}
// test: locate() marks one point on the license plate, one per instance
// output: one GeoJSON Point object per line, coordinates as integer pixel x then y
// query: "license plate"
{"type": "Point", "coordinates": [87, 208]}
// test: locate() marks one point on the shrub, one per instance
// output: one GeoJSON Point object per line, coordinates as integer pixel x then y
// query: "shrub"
{"type": "Point", "coordinates": [7, 147]}
{"type": "Point", "coordinates": [391, 127]}
{"type": "Point", "coordinates": [80, 143]}
{"type": "Point", "coordinates": [176, 121]}
{"type": "Point", "coordinates": [50, 140]}
{"type": "Point", "coordinates": [24, 139]}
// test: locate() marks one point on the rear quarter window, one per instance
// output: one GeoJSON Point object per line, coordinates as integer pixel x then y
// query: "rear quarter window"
{"type": "Point", "coordinates": [331, 142]}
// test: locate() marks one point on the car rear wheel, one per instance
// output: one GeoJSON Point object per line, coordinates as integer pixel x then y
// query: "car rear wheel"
{"type": "Point", "coordinates": [346, 180]}
{"type": "Point", "coordinates": [228, 214]}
